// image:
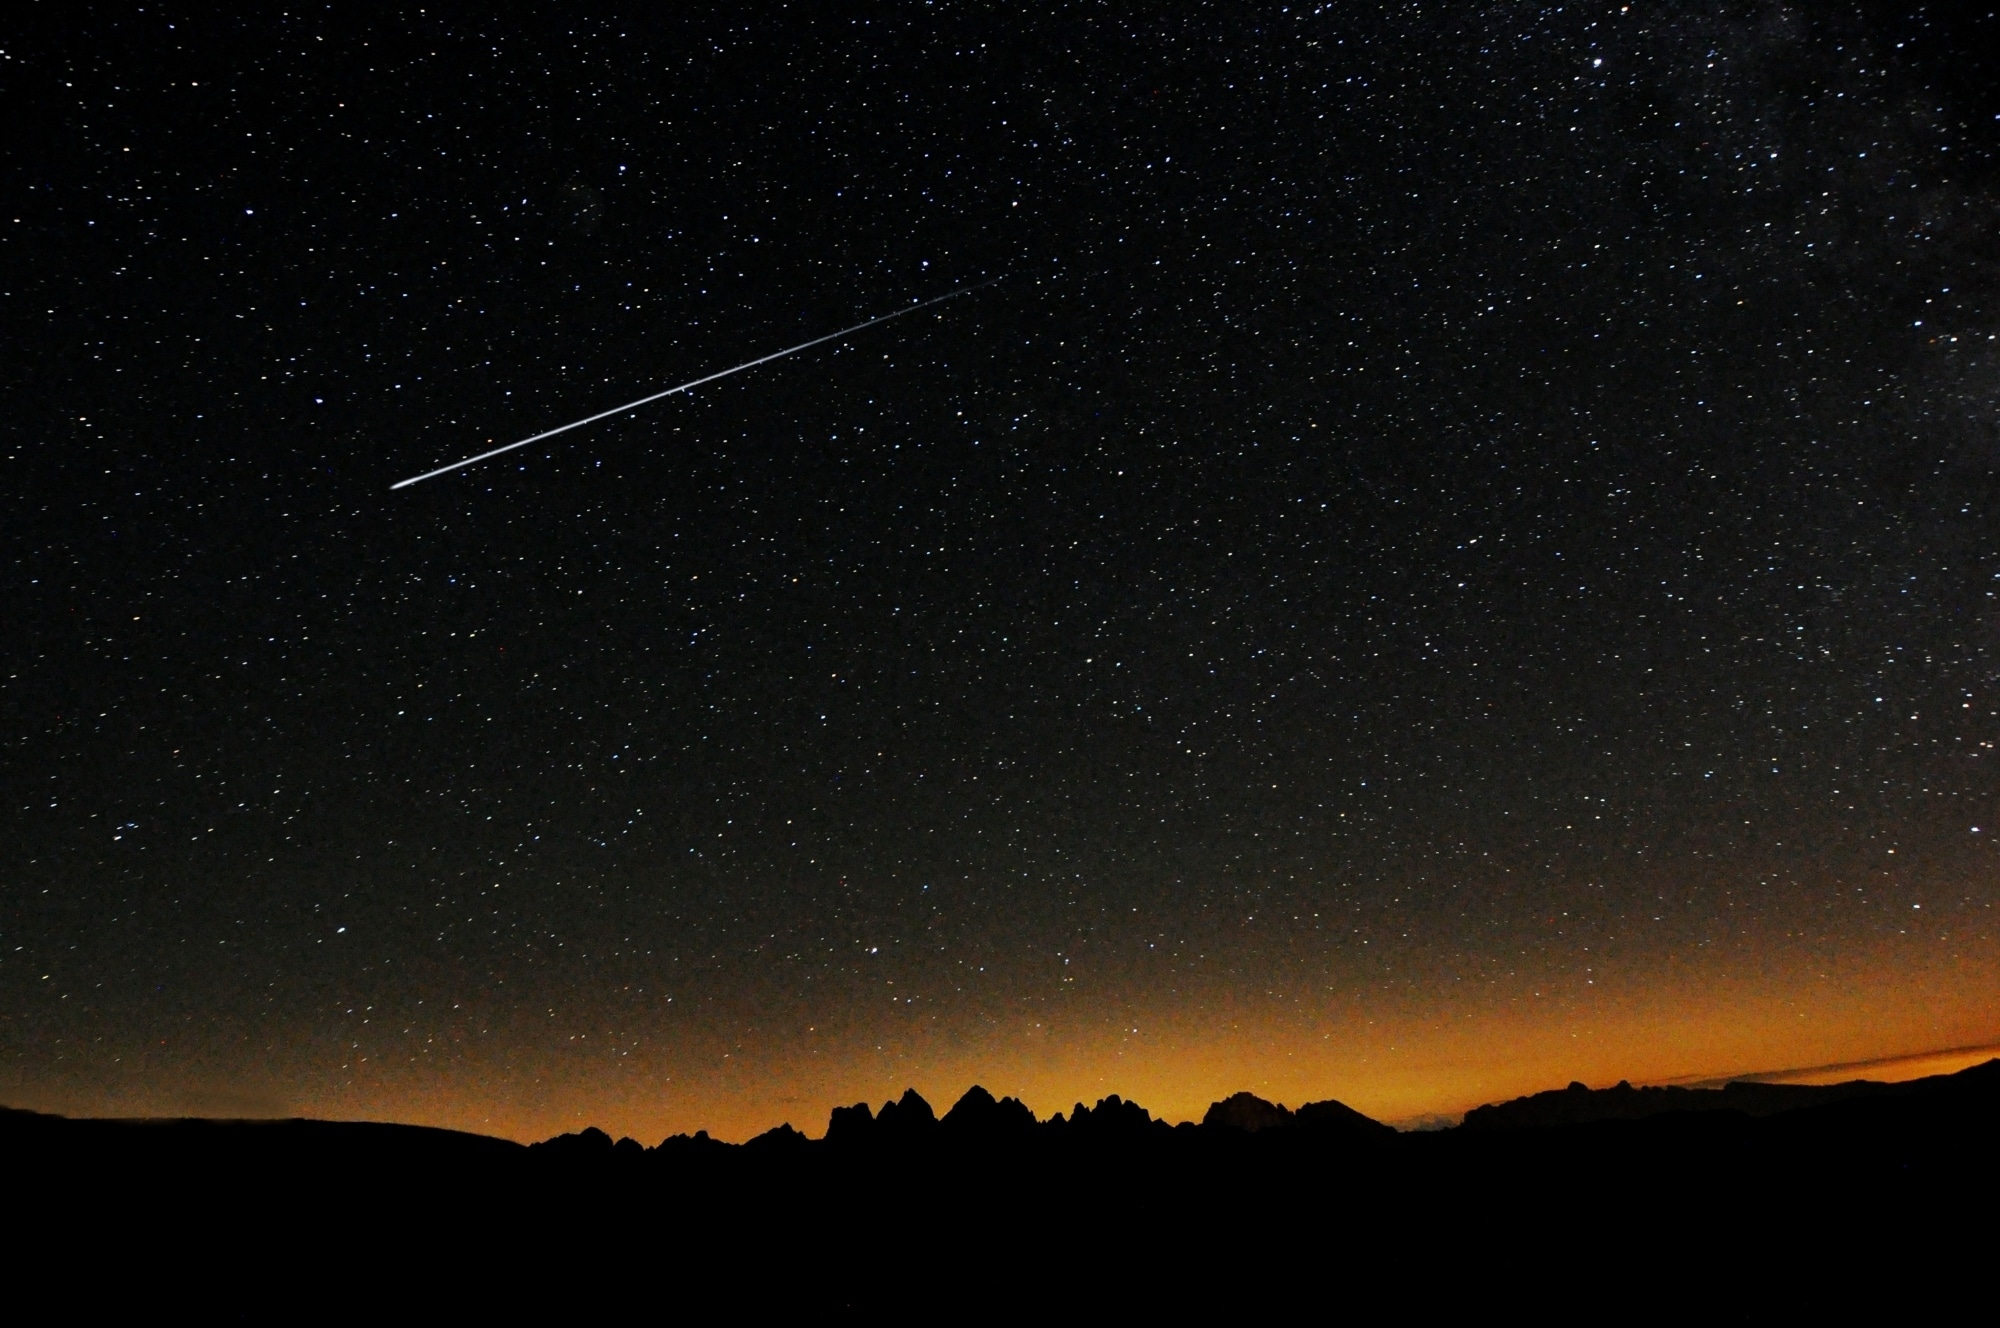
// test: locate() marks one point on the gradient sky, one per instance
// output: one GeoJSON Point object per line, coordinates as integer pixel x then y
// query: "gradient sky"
{"type": "Point", "coordinates": [1461, 556]}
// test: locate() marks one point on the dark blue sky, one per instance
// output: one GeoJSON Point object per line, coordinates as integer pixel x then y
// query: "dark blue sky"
{"type": "Point", "coordinates": [1449, 510]}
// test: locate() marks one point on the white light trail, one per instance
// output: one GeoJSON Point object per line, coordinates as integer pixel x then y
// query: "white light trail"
{"type": "Point", "coordinates": [688, 386]}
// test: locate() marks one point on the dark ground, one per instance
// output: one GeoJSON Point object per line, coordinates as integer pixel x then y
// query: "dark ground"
{"type": "Point", "coordinates": [1881, 1199]}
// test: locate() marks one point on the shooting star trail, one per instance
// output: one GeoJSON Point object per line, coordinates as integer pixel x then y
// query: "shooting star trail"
{"type": "Point", "coordinates": [689, 386]}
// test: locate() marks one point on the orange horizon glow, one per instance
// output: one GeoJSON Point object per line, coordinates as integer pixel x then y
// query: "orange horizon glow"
{"type": "Point", "coordinates": [1408, 1060]}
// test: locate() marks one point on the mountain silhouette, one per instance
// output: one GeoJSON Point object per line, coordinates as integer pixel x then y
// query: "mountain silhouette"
{"type": "Point", "coordinates": [978, 1118]}
{"type": "Point", "coordinates": [1247, 1113]}
{"type": "Point", "coordinates": [1112, 1121]}
{"type": "Point", "coordinates": [850, 1125]}
{"type": "Point", "coordinates": [779, 1139]}
{"type": "Point", "coordinates": [906, 1119]}
{"type": "Point", "coordinates": [1330, 1118]}
{"type": "Point", "coordinates": [1577, 1104]}
{"type": "Point", "coordinates": [1747, 1196]}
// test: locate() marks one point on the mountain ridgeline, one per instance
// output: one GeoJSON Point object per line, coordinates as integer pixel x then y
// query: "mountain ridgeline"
{"type": "Point", "coordinates": [1750, 1195]}
{"type": "Point", "coordinates": [980, 1121]}
{"type": "Point", "coordinates": [1578, 1105]}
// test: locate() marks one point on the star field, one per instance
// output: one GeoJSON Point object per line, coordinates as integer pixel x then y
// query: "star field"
{"type": "Point", "coordinates": [1460, 555]}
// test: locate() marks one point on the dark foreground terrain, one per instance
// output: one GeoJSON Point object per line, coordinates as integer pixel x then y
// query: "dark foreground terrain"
{"type": "Point", "coordinates": [1736, 1204]}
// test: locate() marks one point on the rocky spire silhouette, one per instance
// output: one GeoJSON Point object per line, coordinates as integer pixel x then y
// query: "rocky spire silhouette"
{"type": "Point", "coordinates": [978, 1117]}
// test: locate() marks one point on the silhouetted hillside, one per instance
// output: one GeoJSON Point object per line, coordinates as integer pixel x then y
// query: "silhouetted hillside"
{"type": "Point", "coordinates": [1577, 1104]}
{"type": "Point", "coordinates": [28, 1137]}
{"type": "Point", "coordinates": [1752, 1198]}
{"type": "Point", "coordinates": [1249, 1114]}
{"type": "Point", "coordinates": [978, 1118]}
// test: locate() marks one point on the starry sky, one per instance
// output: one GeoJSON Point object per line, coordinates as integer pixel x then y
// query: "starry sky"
{"type": "Point", "coordinates": [1459, 555]}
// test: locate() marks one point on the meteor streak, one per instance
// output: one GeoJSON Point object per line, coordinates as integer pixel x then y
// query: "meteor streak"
{"type": "Point", "coordinates": [684, 387]}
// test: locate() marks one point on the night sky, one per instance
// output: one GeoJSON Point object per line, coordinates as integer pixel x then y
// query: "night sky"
{"type": "Point", "coordinates": [1460, 555]}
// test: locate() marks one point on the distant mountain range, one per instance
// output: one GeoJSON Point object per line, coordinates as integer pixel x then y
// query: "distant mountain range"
{"type": "Point", "coordinates": [1661, 1199]}
{"type": "Point", "coordinates": [980, 1120]}
{"type": "Point", "coordinates": [977, 1118]}
{"type": "Point", "coordinates": [1577, 1104]}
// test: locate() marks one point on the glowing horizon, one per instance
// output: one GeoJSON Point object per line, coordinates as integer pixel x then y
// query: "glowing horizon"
{"type": "Point", "coordinates": [1400, 1067]}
